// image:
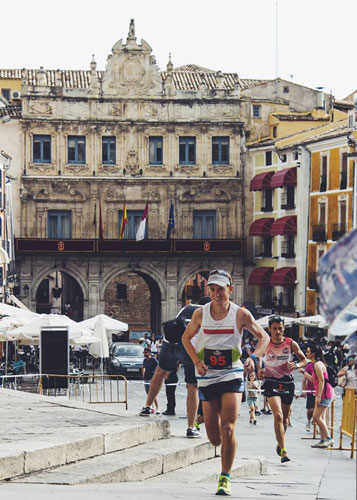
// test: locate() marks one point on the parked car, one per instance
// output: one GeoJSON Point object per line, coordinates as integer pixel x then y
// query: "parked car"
{"type": "Point", "coordinates": [126, 359]}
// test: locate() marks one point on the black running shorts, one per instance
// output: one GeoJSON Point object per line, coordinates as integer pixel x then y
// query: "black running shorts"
{"type": "Point", "coordinates": [214, 391]}
{"type": "Point", "coordinates": [285, 390]}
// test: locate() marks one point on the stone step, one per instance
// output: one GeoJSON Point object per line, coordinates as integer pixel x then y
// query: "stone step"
{"type": "Point", "coordinates": [209, 471]}
{"type": "Point", "coordinates": [26, 457]}
{"type": "Point", "coordinates": [133, 464]}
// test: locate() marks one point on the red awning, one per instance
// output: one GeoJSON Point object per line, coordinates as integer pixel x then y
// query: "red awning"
{"type": "Point", "coordinates": [261, 181]}
{"type": "Point", "coordinates": [260, 276]}
{"type": "Point", "coordinates": [286, 177]}
{"type": "Point", "coordinates": [284, 276]}
{"type": "Point", "coordinates": [261, 227]}
{"type": "Point", "coordinates": [284, 225]}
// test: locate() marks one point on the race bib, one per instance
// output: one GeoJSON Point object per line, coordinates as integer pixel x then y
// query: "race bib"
{"type": "Point", "coordinates": [218, 359]}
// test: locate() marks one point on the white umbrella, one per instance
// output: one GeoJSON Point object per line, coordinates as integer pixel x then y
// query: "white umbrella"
{"type": "Point", "coordinates": [16, 312]}
{"type": "Point", "coordinates": [100, 349]}
{"type": "Point", "coordinates": [264, 321]}
{"type": "Point", "coordinates": [317, 321]}
{"type": "Point", "coordinates": [108, 322]}
{"type": "Point", "coordinates": [31, 332]}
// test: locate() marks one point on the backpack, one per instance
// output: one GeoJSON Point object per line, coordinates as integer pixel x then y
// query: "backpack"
{"type": "Point", "coordinates": [174, 329]}
{"type": "Point", "coordinates": [332, 376]}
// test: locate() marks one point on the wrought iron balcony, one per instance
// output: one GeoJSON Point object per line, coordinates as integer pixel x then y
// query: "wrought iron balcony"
{"type": "Point", "coordinates": [287, 250]}
{"type": "Point", "coordinates": [338, 230]}
{"type": "Point", "coordinates": [319, 232]}
{"type": "Point", "coordinates": [313, 281]}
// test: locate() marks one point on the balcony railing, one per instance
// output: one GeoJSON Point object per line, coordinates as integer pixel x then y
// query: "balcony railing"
{"type": "Point", "coordinates": [287, 201]}
{"type": "Point", "coordinates": [323, 183]}
{"type": "Point", "coordinates": [45, 245]}
{"type": "Point", "coordinates": [267, 208]}
{"type": "Point", "coordinates": [287, 250]}
{"type": "Point", "coordinates": [319, 232]}
{"type": "Point", "coordinates": [343, 180]}
{"type": "Point", "coordinates": [338, 230]}
{"type": "Point", "coordinates": [313, 281]}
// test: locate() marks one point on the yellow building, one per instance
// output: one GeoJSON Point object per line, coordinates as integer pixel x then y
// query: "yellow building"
{"type": "Point", "coordinates": [10, 84]}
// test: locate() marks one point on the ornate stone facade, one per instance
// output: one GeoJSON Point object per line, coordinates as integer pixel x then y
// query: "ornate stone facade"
{"type": "Point", "coordinates": [131, 103]}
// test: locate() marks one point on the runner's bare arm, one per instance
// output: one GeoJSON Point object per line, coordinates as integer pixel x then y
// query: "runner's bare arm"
{"type": "Point", "coordinates": [298, 353]}
{"type": "Point", "coordinates": [245, 320]}
{"type": "Point", "coordinates": [191, 330]}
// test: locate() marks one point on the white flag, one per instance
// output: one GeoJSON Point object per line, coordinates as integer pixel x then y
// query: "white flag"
{"type": "Point", "coordinates": [140, 234]}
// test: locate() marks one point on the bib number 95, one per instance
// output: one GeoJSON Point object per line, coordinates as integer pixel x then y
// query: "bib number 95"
{"type": "Point", "coordinates": [218, 359]}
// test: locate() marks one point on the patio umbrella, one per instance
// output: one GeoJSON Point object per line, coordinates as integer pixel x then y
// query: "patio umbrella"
{"type": "Point", "coordinates": [317, 321]}
{"type": "Point", "coordinates": [99, 349]}
{"type": "Point", "coordinates": [30, 332]}
{"type": "Point", "coordinates": [16, 312]}
{"type": "Point", "coordinates": [264, 321]}
{"type": "Point", "coordinates": [108, 322]}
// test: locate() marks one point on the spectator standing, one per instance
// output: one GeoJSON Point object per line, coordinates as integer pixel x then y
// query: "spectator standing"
{"type": "Point", "coordinates": [324, 394]}
{"type": "Point", "coordinates": [150, 365]}
{"type": "Point", "coordinates": [308, 391]}
{"type": "Point", "coordinates": [349, 373]}
{"type": "Point", "coordinates": [253, 387]}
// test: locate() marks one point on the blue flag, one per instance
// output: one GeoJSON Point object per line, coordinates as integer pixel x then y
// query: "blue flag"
{"type": "Point", "coordinates": [171, 224]}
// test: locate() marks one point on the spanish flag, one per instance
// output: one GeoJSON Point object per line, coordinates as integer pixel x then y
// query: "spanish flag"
{"type": "Point", "coordinates": [124, 221]}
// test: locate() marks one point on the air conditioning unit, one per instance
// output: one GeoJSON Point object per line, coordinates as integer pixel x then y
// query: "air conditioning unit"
{"type": "Point", "coordinates": [15, 94]}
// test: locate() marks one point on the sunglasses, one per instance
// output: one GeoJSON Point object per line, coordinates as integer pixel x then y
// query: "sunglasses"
{"type": "Point", "coordinates": [221, 272]}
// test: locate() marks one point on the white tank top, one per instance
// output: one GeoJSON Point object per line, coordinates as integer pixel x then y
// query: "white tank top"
{"type": "Point", "coordinates": [218, 344]}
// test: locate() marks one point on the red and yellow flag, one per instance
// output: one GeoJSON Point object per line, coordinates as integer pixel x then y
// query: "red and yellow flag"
{"type": "Point", "coordinates": [124, 221]}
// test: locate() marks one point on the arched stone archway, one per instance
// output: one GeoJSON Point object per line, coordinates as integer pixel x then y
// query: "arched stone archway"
{"type": "Point", "coordinates": [58, 292]}
{"type": "Point", "coordinates": [133, 296]}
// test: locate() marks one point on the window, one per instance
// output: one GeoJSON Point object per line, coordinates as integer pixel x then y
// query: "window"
{"type": "Point", "coordinates": [322, 213]}
{"type": "Point", "coordinates": [256, 111]}
{"type": "Point", "coordinates": [204, 224]}
{"type": "Point", "coordinates": [267, 198]}
{"type": "Point", "coordinates": [296, 155]}
{"type": "Point", "coordinates": [285, 90]}
{"type": "Point", "coordinates": [41, 149]}
{"type": "Point", "coordinates": [288, 246]}
{"type": "Point", "coordinates": [343, 171]}
{"type": "Point", "coordinates": [268, 158]}
{"type": "Point", "coordinates": [275, 131]}
{"type": "Point", "coordinates": [283, 158]}
{"type": "Point", "coordinates": [122, 292]}
{"type": "Point", "coordinates": [6, 93]}
{"type": "Point", "coordinates": [266, 246]}
{"type": "Point", "coordinates": [76, 149]}
{"type": "Point", "coordinates": [59, 224]}
{"type": "Point", "coordinates": [155, 150]}
{"type": "Point", "coordinates": [131, 228]}
{"type": "Point", "coordinates": [323, 178]}
{"type": "Point", "coordinates": [187, 150]}
{"type": "Point", "coordinates": [108, 150]}
{"type": "Point", "coordinates": [288, 198]}
{"type": "Point", "coordinates": [266, 296]}
{"type": "Point", "coordinates": [220, 150]}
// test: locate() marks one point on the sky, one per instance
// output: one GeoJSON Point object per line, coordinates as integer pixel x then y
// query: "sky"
{"type": "Point", "coordinates": [314, 43]}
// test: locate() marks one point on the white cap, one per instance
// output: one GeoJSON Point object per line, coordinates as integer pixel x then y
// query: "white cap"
{"type": "Point", "coordinates": [220, 278]}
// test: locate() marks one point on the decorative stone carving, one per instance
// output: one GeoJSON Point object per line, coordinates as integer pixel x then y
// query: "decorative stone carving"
{"type": "Point", "coordinates": [84, 169]}
{"type": "Point", "coordinates": [116, 110]}
{"type": "Point", "coordinates": [205, 193]}
{"type": "Point", "coordinates": [114, 195]}
{"type": "Point", "coordinates": [40, 108]}
{"type": "Point", "coordinates": [151, 195]}
{"type": "Point", "coordinates": [187, 170]}
{"type": "Point", "coordinates": [42, 170]}
{"type": "Point", "coordinates": [109, 169]}
{"type": "Point", "coordinates": [157, 169]}
{"type": "Point", "coordinates": [132, 165]}
{"type": "Point", "coordinates": [223, 170]}
{"type": "Point", "coordinates": [59, 190]}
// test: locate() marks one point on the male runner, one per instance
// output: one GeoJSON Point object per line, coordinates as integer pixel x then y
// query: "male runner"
{"type": "Point", "coordinates": [279, 382]}
{"type": "Point", "coordinates": [216, 351]}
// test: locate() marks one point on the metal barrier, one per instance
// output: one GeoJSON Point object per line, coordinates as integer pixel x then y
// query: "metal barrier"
{"type": "Point", "coordinates": [29, 382]}
{"type": "Point", "coordinates": [349, 419]}
{"type": "Point", "coordinates": [94, 389]}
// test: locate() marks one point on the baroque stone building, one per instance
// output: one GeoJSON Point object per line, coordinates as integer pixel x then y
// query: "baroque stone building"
{"type": "Point", "coordinates": [92, 141]}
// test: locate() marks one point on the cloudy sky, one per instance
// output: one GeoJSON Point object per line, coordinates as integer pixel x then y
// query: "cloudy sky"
{"type": "Point", "coordinates": [316, 38]}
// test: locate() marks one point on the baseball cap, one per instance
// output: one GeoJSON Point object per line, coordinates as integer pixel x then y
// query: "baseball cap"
{"type": "Point", "coordinates": [219, 277]}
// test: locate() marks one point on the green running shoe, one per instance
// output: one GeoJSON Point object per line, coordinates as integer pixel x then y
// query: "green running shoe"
{"type": "Point", "coordinates": [197, 425]}
{"type": "Point", "coordinates": [224, 486]}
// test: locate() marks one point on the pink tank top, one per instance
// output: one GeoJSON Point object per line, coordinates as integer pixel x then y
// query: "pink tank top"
{"type": "Point", "coordinates": [327, 391]}
{"type": "Point", "coordinates": [277, 357]}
